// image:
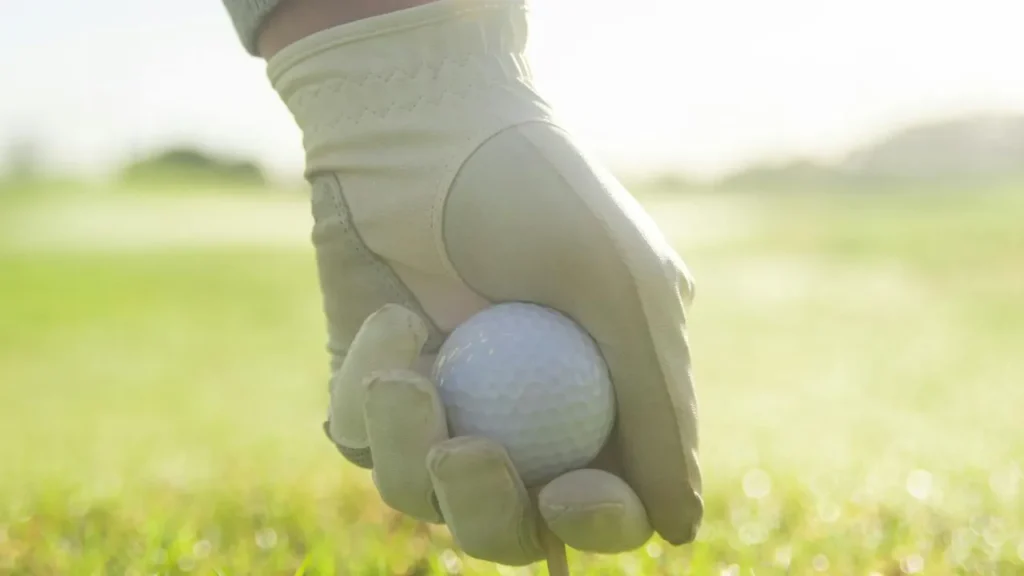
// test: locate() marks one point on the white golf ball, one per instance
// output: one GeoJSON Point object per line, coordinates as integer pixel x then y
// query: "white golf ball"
{"type": "Point", "coordinates": [532, 380]}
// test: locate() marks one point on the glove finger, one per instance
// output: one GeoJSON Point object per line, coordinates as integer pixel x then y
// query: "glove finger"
{"type": "Point", "coordinates": [484, 502]}
{"type": "Point", "coordinates": [594, 511]}
{"type": "Point", "coordinates": [390, 338]}
{"type": "Point", "coordinates": [404, 419]}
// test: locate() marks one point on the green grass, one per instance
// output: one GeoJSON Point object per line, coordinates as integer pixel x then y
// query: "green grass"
{"type": "Point", "coordinates": [858, 357]}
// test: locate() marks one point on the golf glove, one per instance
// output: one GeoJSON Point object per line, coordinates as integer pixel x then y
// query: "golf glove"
{"type": "Point", "coordinates": [441, 184]}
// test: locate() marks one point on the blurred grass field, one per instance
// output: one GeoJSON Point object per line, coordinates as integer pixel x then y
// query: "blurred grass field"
{"type": "Point", "coordinates": [860, 362]}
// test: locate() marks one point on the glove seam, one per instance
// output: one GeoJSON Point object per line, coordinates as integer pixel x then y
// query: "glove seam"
{"type": "Point", "coordinates": [435, 336]}
{"type": "Point", "coordinates": [440, 205]}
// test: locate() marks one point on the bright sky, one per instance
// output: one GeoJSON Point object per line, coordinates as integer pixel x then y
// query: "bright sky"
{"type": "Point", "coordinates": [698, 86]}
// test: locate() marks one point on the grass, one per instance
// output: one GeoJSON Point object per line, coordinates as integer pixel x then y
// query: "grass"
{"type": "Point", "coordinates": [860, 376]}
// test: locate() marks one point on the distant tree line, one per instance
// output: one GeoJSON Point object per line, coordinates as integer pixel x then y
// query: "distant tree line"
{"type": "Point", "coordinates": [192, 165]}
{"type": "Point", "coordinates": [24, 159]}
{"type": "Point", "coordinates": [972, 150]}
{"type": "Point", "coordinates": [966, 150]}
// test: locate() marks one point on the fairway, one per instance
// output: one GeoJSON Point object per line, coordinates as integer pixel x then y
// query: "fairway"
{"type": "Point", "coordinates": [858, 360]}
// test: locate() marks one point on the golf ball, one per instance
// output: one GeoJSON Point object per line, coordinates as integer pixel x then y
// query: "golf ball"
{"type": "Point", "coordinates": [532, 380]}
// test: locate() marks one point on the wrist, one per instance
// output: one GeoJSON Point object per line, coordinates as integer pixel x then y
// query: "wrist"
{"type": "Point", "coordinates": [292, 20]}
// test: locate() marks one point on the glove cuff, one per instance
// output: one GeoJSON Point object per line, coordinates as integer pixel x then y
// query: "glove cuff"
{"type": "Point", "coordinates": [446, 73]}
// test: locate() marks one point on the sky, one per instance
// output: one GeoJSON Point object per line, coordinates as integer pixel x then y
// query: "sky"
{"type": "Point", "coordinates": [697, 87]}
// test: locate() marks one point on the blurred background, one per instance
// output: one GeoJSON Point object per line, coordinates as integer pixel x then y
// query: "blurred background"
{"type": "Point", "coordinates": [845, 179]}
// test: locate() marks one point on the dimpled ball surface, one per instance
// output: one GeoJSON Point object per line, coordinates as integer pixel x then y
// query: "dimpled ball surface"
{"type": "Point", "coordinates": [531, 379]}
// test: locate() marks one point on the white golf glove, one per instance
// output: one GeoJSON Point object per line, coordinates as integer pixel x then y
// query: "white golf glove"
{"type": "Point", "coordinates": [442, 184]}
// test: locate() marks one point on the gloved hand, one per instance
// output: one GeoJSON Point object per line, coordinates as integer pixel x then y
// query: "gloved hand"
{"type": "Point", "coordinates": [530, 219]}
{"type": "Point", "coordinates": [441, 185]}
